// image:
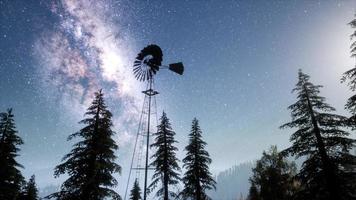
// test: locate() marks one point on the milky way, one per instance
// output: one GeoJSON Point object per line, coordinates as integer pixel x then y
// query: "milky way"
{"type": "Point", "coordinates": [87, 52]}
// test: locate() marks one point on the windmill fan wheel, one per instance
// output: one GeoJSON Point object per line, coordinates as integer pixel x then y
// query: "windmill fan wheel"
{"type": "Point", "coordinates": [147, 62]}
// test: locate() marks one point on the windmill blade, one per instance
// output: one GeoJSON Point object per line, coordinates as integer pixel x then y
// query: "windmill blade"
{"type": "Point", "coordinates": [147, 62]}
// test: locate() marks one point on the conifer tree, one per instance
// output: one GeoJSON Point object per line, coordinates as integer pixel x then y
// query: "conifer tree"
{"type": "Point", "coordinates": [90, 164]}
{"type": "Point", "coordinates": [135, 192]}
{"type": "Point", "coordinates": [11, 179]}
{"type": "Point", "coordinates": [30, 191]}
{"type": "Point", "coordinates": [253, 193]}
{"type": "Point", "coordinates": [350, 76]}
{"type": "Point", "coordinates": [273, 177]}
{"type": "Point", "coordinates": [197, 178]}
{"type": "Point", "coordinates": [321, 139]}
{"type": "Point", "coordinates": [165, 161]}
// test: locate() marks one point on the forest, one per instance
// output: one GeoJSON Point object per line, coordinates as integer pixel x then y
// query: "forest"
{"type": "Point", "coordinates": [319, 137]}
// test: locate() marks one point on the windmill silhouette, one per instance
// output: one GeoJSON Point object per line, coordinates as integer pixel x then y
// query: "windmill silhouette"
{"type": "Point", "coordinates": [147, 63]}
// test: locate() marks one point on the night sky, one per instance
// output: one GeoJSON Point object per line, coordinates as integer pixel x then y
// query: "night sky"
{"type": "Point", "coordinates": [241, 60]}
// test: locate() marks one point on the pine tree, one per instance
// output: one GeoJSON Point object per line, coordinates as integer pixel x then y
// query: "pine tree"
{"type": "Point", "coordinates": [272, 177]}
{"type": "Point", "coordinates": [165, 161]}
{"type": "Point", "coordinates": [197, 178]}
{"type": "Point", "coordinates": [11, 179]}
{"type": "Point", "coordinates": [350, 75]}
{"type": "Point", "coordinates": [30, 191]}
{"type": "Point", "coordinates": [253, 193]}
{"type": "Point", "coordinates": [90, 164]}
{"type": "Point", "coordinates": [320, 138]}
{"type": "Point", "coordinates": [136, 192]}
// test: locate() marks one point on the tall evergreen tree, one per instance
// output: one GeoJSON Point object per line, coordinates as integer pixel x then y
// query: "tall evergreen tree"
{"type": "Point", "coordinates": [165, 161]}
{"type": "Point", "coordinates": [90, 164]}
{"type": "Point", "coordinates": [273, 177]}
{"type": "Point", "coordinates": [320, 138]}
{"type": "Point", "coordinates": [197, 179]}
{"type": "Point", "coordinates": [135, 192]}
{"type": "Point", "coordinates": [11, 179]}
{"type": "Point", "coordinates": [253, 193]}
{"type": "Point", "coordinates": [30, 191]}
{"type": "Point", "coordinates": [350, 75]}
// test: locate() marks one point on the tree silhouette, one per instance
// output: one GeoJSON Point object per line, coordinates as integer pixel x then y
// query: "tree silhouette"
{"type": "Point", "coordinates": [197, 179]}
{"type": "Point", "coordinates": [350, 75]}
{"type": "Point", "coordinates": [272, 177]}
{"type": "Point", "coordinates": [30, 190]}
{"type": "Point", "coordinates": [165, 161]}
{"type": "Point", "coordinates": [90, 164]}
{"type": "Point", "coordinates": [135, 192]}
{"type": "Point", "coordinates": [253, 193]}
{"type": "Point", "coordinates": [320, 138]}
{"type": "Point", "coordinates": [11, 179]}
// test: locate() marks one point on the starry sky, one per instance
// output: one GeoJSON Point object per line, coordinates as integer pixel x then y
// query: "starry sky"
{"type": "Point", "coordinates": [241, 60]}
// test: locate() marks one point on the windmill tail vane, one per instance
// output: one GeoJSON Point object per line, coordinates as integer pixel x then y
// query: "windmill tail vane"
{"type": "Point", "coordinates": [177, 68]}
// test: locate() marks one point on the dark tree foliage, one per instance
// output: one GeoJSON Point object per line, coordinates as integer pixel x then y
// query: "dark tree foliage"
{"type": "Point", "coordinates": [321, 139]}
{"type": "Point", "coordinates": [197, 178]}
{"type": "Point", "coordinates": [135, 192]}
{"type": "Point", "coordinates": [11, 179]}
{"type": "Point", "coordinates": [30, 191]}
{"type": "Point", "coordinates": [90, 164]}
{"type": "Point", "coordinates": [273, 177]}
{"type": "Point", "coordinates": [165, 161]}
{"type": "Point", "coordinates": [350, 75]}
{"type": "Point", "coordinates": [253, 193]}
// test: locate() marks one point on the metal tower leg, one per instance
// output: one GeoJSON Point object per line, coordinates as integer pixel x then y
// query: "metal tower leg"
{"type": "Point", "coordinates": [147, 141]}
{"type": "Point", "coordinates": [148, 104]}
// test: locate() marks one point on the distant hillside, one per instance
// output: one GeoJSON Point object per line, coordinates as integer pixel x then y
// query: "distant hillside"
{"type": "Point", "coordinates": [233, 182]}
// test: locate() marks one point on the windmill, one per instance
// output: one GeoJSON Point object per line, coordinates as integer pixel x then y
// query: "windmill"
{"type": "Point", "coordinates": [147, 63]}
